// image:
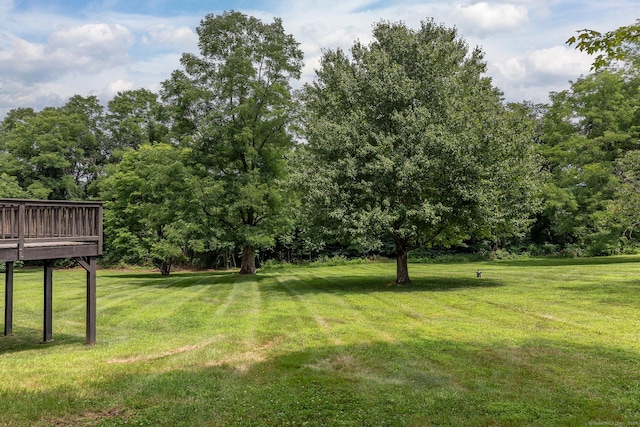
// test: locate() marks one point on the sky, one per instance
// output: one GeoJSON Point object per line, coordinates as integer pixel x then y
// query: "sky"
{"type": "Point", "coordinates": [51, 50]}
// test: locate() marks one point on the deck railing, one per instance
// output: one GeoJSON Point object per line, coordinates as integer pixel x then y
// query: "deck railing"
{"type": "Point", "coordinates": [43, 221]}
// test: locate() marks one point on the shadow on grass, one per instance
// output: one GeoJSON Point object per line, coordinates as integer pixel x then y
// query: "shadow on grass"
{"type": "Point", "coordinates": [26, 339]}
{"type": "Point", "coordinates": [367, 284]}
{"type": "Point", "coordinates": [158, 276]}
{"type": "Point", "coordinates": [421, 382]}
{"type": "Point", "coordinates": [268, 280]}
{"type": "Point", "coordinates": [558, 262]}
{"type": "Point", "coordinates": [185, 279]}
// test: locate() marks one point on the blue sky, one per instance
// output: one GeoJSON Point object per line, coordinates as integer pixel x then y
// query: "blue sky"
{"type": "Point", "coordinates": [53, 49]}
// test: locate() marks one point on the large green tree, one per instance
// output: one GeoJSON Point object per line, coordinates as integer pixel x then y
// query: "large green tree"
{"type": "Point", "coordinates": [627, 200]}
{"type": "Point", "coordinates": [409, 141]}
{"type": "Point", "coordinates": [232, 105]}
{"type": "Point", "coordinates": [587, 129]}
{"type": "Point", "coordinates": [55, 153]}
{"type": "Point", "coordinates": [148, 210]}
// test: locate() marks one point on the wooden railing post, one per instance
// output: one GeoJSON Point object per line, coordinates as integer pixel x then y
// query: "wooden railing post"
{"type": "Point", "coordinates": [100, 230]}
{"type": "Point", "coordinates": [21, 227]}
{"type": "Point", "coordinates": [91, 302]}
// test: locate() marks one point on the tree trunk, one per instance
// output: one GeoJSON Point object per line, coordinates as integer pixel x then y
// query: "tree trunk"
{"type": "Point", "coordinates": [248, 265]}
{"type": "Point", "coordinates": [402, 270]}
{"type": "Point", "coordinates": [164, 267]}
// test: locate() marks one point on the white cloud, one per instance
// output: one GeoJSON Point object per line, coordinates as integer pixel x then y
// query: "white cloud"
{"type": "Point", "coordinates": [487, 18]}
{"type": "Point", "coordinates": [16, 95]}
{"type": "Point", "coordinates": [101, 44]}
{"type": "Point", "coordinates": [84, 49]}
{"type": "Point", "coordinates": [24, 52]}
{"type": "Point", "coordinates": [120, 85]}
{"type": "Point", "coordinates": [559, 61]}
{"type": "Point", "coordinates": [166, 35]}
{"type": "Point", "coordinates": [542, 64]}
{"type": "Point", "coordinates": [513, 69]}
{"type": "Point", "coordinates": [536, 73]}
{"type": "Point", "coordinates": [46, 56]}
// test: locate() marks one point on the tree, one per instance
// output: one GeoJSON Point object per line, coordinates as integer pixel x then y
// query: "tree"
{"type": "Point", "coordinates": [42, 153]}
{"type": "Point", "coordinates": [148, 207]}
{"type": "Point", "coordinates": [232, 106]}
{"type": "Point", "coordinates": [134, 117]}
{"type": "Point", "coordinates": [9, 187]}
{"type": "Point", "coordinates": [408, 140]}
{"type": "Point", "coordinates": [627, 200]}
{"type": "Point", "coordinates": [615, 45]}
{"type": "Point", "coordinates": [586, 130]}
{"type": "Point", "coordinates": [55, 153]}
{"type": "Point", "coordinates": [89, 140]}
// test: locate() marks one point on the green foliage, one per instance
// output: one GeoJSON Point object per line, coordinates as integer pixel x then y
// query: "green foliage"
{"type": "Point", "coordinates": [627, 200]}
{"type": "Point", "coordinates": [16, 264]}
{"type": "Point", "coordinates": [614, 45]}
{"type": "Point", "coordinates": [55, 153]}
{"type": "Point", "coordinates": [232, 107]}
{"type": "Point", "coordinates": [134, 117]}
{"type": "Point", "coordinates": [9, 187]}
{"type": "Point", "coordinates": [322, 261]}
{"type": "Point", "coordinates": [393, 152]}
{"type": "Point", "coordinates": [274, 264]}
{"type": "Point", "coordinates": [148, 211]}
{"type": "Point", "coordinates": [586, 131]}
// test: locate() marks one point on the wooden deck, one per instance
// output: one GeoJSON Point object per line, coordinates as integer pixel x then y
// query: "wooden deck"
{"type": "Point", "coordinates": [48, 230]}
{"type": "Point", "coordinates": [39, 229]}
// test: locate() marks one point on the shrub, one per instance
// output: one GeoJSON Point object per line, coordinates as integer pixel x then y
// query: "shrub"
{"type": "Point", "coordinates": [502, 254]}
{"type": "Point", "coordinates": [273, 264]}
{"type": "Point", "coordinates": [16, 264]}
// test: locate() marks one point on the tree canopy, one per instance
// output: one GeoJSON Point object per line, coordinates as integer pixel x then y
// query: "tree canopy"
{"type": "Point", "coordinates": [407, 139]}
{"type": "Point", "coordinates": [148, 215]}
{"type": "Point", "coordinates": [588, 130]}
{"type": "Point", "coordinates": [55, 153]}
{"type": "Point", "coordinates": [232, 106]}
{"type": "Point", "coordinates": [402, 143]}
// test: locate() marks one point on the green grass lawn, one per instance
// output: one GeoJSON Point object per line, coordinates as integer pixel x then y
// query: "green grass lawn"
{"type": "Point", "coordinates": [538, 342]}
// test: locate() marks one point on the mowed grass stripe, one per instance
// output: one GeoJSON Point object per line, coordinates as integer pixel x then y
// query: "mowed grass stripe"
{"type": "Point", "coordinates": [149, 313]}
{"type": "Point", "coordinates": [419, 310]}
{"type": "Point", "coordinates": [305, 305]}
{"type": "Point", "coordinates": [352, 318]}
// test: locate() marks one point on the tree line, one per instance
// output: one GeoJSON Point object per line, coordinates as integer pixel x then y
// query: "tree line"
{"type": "Point", "coordinates": [401, 144]}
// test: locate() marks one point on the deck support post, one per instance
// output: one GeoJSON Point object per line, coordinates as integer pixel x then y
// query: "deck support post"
{"type": "Point", "coordinates": [8, 299]}
{"type": "Point", "coordinates": [48, 302]}
{"type": "Point", "coordinates": [89, 264]}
